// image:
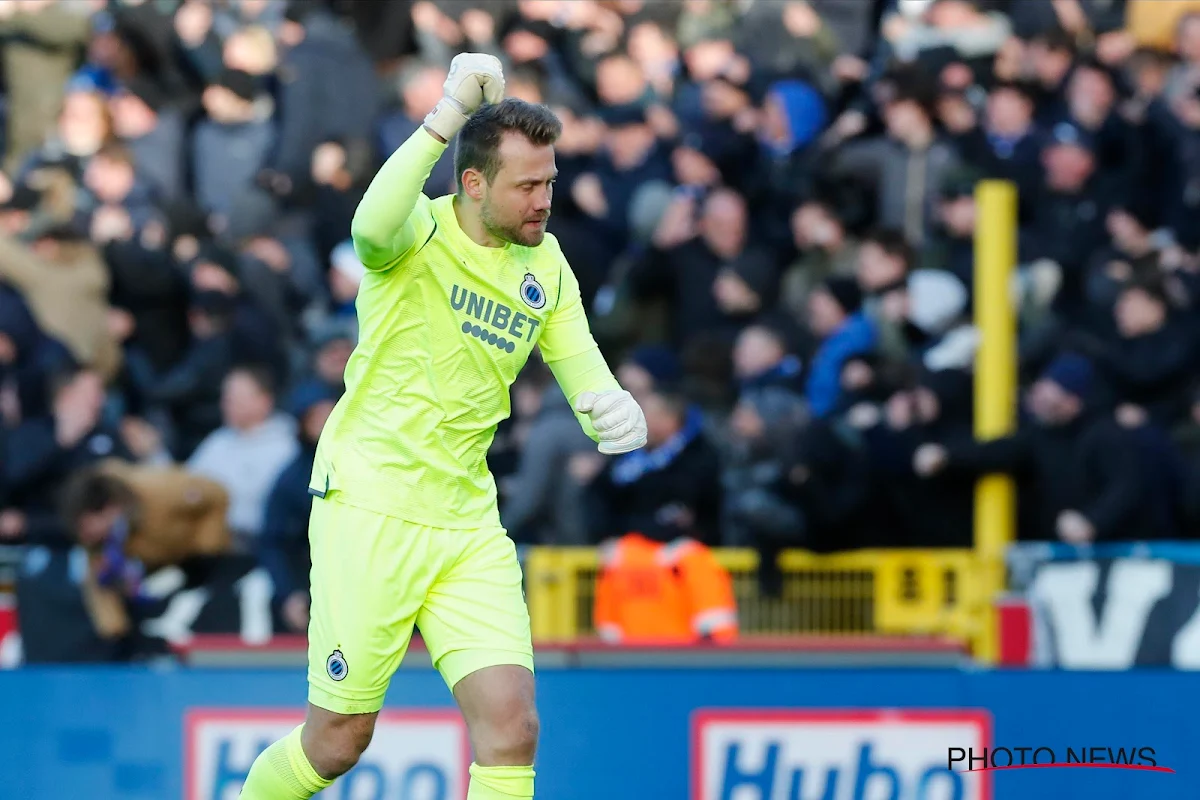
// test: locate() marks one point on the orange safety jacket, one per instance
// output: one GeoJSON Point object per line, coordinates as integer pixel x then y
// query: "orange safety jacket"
{"type": "Point", "coordinates": [651, 592]}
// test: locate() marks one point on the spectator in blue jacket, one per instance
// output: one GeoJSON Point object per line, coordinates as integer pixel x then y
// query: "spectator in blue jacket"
{"type": "Point", "coordinates": [283, 547]}
{"type": "Point", "coordinates": [837, 320]}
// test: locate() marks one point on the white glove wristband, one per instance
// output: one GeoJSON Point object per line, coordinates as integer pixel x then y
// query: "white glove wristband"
{"type": "Point", "coordinates": [447, 118]}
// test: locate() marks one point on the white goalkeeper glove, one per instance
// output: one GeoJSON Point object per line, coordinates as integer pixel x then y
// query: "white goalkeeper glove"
{"type": "Point", "coordinates": [617, 418]}
{"type": "Point", "coordinates": [474, 78]}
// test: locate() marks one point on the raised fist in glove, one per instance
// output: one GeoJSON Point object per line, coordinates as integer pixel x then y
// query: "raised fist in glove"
{"type": "Point", "coordinates": [617, 418]}
{"type": "Point", "coordinates": [474, 78]}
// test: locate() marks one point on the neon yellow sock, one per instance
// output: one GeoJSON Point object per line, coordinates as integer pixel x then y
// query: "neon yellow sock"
{"type": "Point", "coordinates": [500, 783]}
{"type": "Point", "coordinates": [282, 772]}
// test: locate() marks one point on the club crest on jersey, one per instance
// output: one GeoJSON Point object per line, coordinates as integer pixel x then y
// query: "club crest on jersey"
{"type": "Point", "coordinates": [336, 666]}
{"type": "Point", "coordinates": [532, 292]}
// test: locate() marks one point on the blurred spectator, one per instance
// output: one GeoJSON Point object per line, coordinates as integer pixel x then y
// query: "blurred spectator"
{"type": "Point", "coordinates": [60, 273]}
{"type": "Point", "coordinates": [769, 414]}
{"type": "Point", "coordinates": [42, 40]}
{"type": "Point", "coordinates": [45, 448]}
{"type": "Point", "coordinates": [283, 546]}
{"type": "Point", "coordinates": [189, 392]}
{"type": "Point", "coordinates": [329, 92]}
{"type": "Point", "coordinates": [1088, 477]}
{"type": "Point", "coordinates": [542, 505]}
{"type": "Point", "coordinates": [827, 250]}
{"type": "Point", "coordinates": [1069, 211]}
{"type": "Point", "coordinates": [154, 133]}
{"type": "Point", "coordinates": [903, 166]}
{"type": "Point", "coordinates": [842, 330]}
{"type": "Point", "coordinates": [1005, 144]}
{"type": "Point", "coordinates": [420, 90]}
{"type": "Point", "coordinates": [231, 146]}
{"type": "Point", "coordinates": [703, 260]}
{"type": "Point", "coordinates": [1150, 363]}
{"type": "Point", "coordinates": [83, 126]}
{"type": "Point", "coordinates": [132, 521]}
{"type": "Point", "coordinates": [248, 452]}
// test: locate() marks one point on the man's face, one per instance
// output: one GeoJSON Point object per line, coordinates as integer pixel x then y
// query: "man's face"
{"type": "Point", "coordinates": [1051, 404]}
{"type": "Point", "coordinates": [83, 123]}
{"type": "Point", "coordinates": [1068, 167]}
{"type": "Point", "coordinates": [516, 203]}
{"type": "Point", "coordinates": [244, 405]}
{"type": "Point", "coordinates": [825, 315]}
{"type": "Point", "coordinates": [755, 351]}
{"type": "Point", "coordinates": [1008, 112]}
{"type": "Point", "coordinates": [1090, 93]}
{"type": "Point", "coordinates": [876, 269]}
{"type": "Point", "coordinates": [904, 117]}
{"type": "Point", "coordinates": [110, 179]}
{"type": "Point", "coordinates": [636, 380]}
{"type": "Point", "coordinates": [724, 222]}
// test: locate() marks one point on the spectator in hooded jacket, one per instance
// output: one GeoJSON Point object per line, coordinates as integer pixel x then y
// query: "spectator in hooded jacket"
{"type": "Point", "coordinates": [842, 329]}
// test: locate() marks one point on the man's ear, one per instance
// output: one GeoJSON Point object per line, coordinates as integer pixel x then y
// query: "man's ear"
{"type": "Point", "coordinates": [473, 183]}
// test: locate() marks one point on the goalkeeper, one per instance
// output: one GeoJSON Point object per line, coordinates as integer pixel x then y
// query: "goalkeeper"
{"type": "Point", "coordinates": [404, 527]}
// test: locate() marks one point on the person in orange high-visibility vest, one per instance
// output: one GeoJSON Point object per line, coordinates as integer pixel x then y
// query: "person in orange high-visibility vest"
{"type": "Point", "coordinates": [650, 592]}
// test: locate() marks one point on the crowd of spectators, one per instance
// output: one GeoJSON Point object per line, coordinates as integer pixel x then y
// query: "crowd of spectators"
{"type": "Point", "coordinates": [770, 208]}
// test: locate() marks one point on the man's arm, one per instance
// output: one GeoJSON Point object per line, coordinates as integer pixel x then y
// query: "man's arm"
{"type": "Point", "coordinates": [385, 228]}
{"type": "Point", "coordinates": [607, 413]}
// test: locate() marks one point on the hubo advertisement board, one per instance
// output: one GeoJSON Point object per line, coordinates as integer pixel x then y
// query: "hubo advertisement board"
{"type": "Point", "coordinates": [836, 755]}
{"type": "Point", "coordinates": [415, 755]}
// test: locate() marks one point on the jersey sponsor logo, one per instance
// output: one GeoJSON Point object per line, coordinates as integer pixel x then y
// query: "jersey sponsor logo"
{"type": "Point", "coordinates": [419, 754]}
{"type": "Point", "coordinates": [859, 754]}
{"type": "Point", "coordinates": [532, 292]}
{"type": "Point", "coordinates": [336, 666]}
{"type": "Point", "coordinates": [496, 322]}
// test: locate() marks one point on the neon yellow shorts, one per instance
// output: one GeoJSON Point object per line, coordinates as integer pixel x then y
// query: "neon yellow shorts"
{"type": "Point", "coordinates": [375, 576]}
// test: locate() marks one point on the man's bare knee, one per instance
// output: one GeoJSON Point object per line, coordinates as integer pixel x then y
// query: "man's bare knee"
{"type": "Point", "coordinates": [498, 704]}
{"type": "Point", "coordinates": [333, 742]}
{"type": "Point", "coordinates": [506, 742]}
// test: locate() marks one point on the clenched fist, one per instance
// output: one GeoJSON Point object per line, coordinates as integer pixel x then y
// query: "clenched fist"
{"type": "Point", "coordinates": [618, 419]}
{"type": "Point", "coordinates": [475, 78]}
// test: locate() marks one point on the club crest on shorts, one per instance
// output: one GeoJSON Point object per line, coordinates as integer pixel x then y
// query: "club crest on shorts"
{"type": "Point", "coordinates": [336, 666]}
{"type": "Point", "coordinates": [532, 292]}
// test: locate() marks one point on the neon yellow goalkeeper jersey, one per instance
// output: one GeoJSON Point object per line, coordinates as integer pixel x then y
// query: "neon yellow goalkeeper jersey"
{"type": "Point", "coordinates": [445, 327]}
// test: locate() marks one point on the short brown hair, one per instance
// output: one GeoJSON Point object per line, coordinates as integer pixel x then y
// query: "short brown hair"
{"type": "Point", "coordinates": [478, 144]}
{"type": "Point", "coordinates": [91, 490]}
